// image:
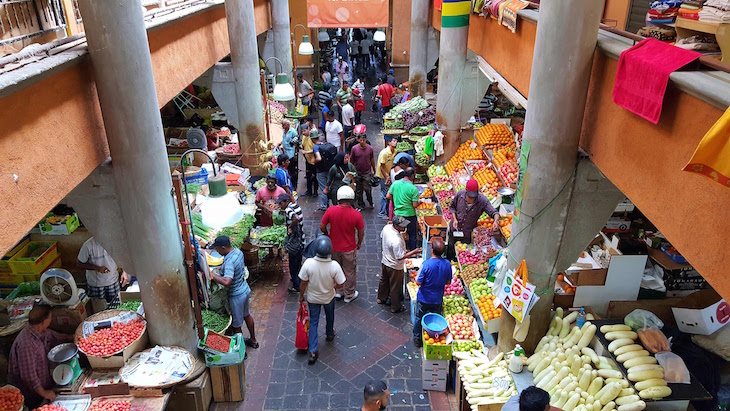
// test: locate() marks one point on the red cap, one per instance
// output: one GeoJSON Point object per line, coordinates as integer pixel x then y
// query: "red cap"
{"type": "Point", "coordinates": [472, 188]}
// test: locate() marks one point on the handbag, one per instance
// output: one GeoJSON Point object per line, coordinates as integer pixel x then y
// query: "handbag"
{"type": "Point", "coordinates": [301, 340]}
{"type": "Point", "coordinates": [375, 181]}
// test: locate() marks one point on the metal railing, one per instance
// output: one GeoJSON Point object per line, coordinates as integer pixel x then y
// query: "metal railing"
{"type": "Point", "coordinates": [24, 19]}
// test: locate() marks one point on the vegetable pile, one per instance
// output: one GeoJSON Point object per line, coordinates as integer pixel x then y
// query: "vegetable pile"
{"type": "Point", "coordinates": [232, 149]}
{"type": "Point", "coordinates": [413, 105]}
{"type": "Point", "coordinates": [201, 230]}
{"type": "Point", "coordinates": [111, 406]}
{"type": "Point", "coordinates": [130, 305]}
{"type": "Point", "coordinates": [214, 321]}
{"type": "Point", "coordinates": [479, 375]}
{"type": "Point", "coordinates": [239, 231]}
{"type": "Point", "coordinates": [394, 125]}
{"type": "Point", "coordinates": [274, 235]}
{"type": "Point", "coordinates": [420, 118]}
{"type": "Point", "coordinates": [403, 146]}
{"type": "Point", "coordinates": [111, 340]}
{"type": "Point", "coordinates": [218, 342]}
{"type": "Point", "coordinates": [10, 399]}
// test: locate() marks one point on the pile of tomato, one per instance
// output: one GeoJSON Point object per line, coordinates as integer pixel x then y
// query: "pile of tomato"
{"type": "Point", "coordinates": [50, 407]}
{"type": "Point", "coordinates": [218, 342]}
{"type": "Point", "coordinates": [111, 340]}
{"type": "Point", "coordinates": [111, 406]}
{"type": "Point", "coordinates": [10, 399]}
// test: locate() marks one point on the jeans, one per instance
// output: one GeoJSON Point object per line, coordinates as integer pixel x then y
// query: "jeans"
{"type": "Point", "coordinates": [294, 171]}
{"type": "Point", "coordinates": [329, 314]}
{"type": "Point", "coordinates": [362, 183]}
{"type": "Point", "coordinates": [311, 174]}
{"type": "Point", "coordinates": [412, 231]}
{"type": "Point", "coordinates": [322, 180]}
{"type": "Point", "coordinates": [421, 310]}
{"type": "Point", "coordinates": [383, 200]}
{"type": "Point", "coordinates": [295, 263]}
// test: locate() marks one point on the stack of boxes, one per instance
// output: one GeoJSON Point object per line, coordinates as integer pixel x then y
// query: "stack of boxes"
{"type": "Point", "coordinates": [435, 365]}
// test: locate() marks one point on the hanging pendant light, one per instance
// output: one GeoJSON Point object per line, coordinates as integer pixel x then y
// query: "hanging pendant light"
{"type": "Point", "coordinates": [379, 35]}
{"type": "Point", "coordinates": [283, 91]}
{"type": "Point", "coordinates": [323, 35]}
{"type": "Point", "coordinates": [221, 208]}
{"type": "Point", "coordinates": [305, 47]}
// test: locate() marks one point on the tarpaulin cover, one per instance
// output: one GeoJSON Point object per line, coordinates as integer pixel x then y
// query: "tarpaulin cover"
{"type": "Point", "coordinates": [347, 13]}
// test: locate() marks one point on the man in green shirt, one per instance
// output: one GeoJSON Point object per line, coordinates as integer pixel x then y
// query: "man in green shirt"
{"type": "Point", "coordinates": [343, 94]}
{"type": "Point", "coordinates": [405, 200]}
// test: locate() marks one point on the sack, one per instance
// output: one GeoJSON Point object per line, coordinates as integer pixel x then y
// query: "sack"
{"type": "Point", "coordinates": [375, 181]}
{"type": "Point", "coordinates": [328, 152]}
{"type": "Point", "coordinates": [301, 341]}
{"type": "Point", "coordinates": [293, 241]}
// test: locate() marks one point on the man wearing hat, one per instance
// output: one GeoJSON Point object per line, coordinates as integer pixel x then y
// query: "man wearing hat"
{"type": "Point", "coordinates": [294, 243]}
{"type": "Point", "coordinates": [393, 262]}
{"type": "Point", "coordinates": [391, 78]}
{"type": "Point", "coordinates": [466, 208]}
{"type": "Point", "coordinates": [266, 199]}
{"type": "Point", "coordinates": [233, 277]}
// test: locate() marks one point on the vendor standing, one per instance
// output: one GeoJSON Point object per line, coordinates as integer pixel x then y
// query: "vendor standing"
{"type": "Point", "coordinates": [435, 274]}
{"type": "Point", "coordinates": [466, 208]}
{"type": "Point", "coordinates": [266, 200]}
{"type": "Point", "coordinates": [28, 364]}
{"type": "Point", "coordinates": [102, 278]}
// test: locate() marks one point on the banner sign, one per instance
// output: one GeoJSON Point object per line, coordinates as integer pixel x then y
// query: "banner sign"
{"type": "Point", "coordinates": [347, 13]}
{"type": "Point", "coordinates": [455, 13]}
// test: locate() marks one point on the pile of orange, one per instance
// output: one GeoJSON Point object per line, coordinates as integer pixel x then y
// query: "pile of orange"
{"type": "Point", "coordinates": [502, 155]}
{"type": "Point", "coordinates": [505, 221]}
{"type": "Point", "coordinates": [468, 150]}
{"type": "Point", "coordinates": [485, 220]}
{"type": "Point", "coordinates": [427, 193]}
{"type": "Point", "coordinates": [486, 306]}
{"type": "Point", "coordinates": [434, 341]}
{"type": "Point", "coordinates": [493, 134]}
{"type": "Point", "coordinates": [426, 206]}
{"type": "Point", "coordinates": [486, 176]}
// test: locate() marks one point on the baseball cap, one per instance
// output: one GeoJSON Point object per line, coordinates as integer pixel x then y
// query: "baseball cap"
{"type": "Point", "coordinates": [282, 198]}
{"type": "Point", "coordinates": [300, 75]}
{"type": "Point", "coordinates": [391, 71]}
{"type": "Point", "coordinates": [400, 221]}
{"type": "Point", "coordinates": [221, 241]}
{"type": "Point", "coordinates": [472, 188]}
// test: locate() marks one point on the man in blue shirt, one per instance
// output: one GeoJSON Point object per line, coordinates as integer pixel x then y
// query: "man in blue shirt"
{"type": "Point", "coordinates": [289, 144]}
{"type": "Point", "coordinates": [283, 179]}
{"type": "Point", "coordinates": [233, 277]}
{"type": "Point", "coordinates": [435, 274]}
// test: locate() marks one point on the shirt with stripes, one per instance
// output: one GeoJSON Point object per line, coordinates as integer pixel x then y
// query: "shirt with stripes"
{"type": "Point", "coordinates": [293, 210]}
{"type": "Point", "coordinates": [233, 267]}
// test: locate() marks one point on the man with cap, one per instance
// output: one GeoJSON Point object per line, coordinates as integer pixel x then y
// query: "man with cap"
{"type": "Point", "coordinates": [393, 262]}
{"type": "Point", "coordinates": [233, 277]}
{"type": "Point", "coordinates": [391, 78]}
{"type": "Point", "coordinates": [294, 243]}
{"type": "Point", "coordinates": [319, 276]}
{"type": "Point", "coordinates": [266, 199]}
{"type": "Point", "coordinates": [347, 231]}
{"type": "Point", "coordinates": [466, 208]}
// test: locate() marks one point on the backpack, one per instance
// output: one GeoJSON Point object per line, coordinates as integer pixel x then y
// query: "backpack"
{"type": "Point", "coordinates": [328, 152]}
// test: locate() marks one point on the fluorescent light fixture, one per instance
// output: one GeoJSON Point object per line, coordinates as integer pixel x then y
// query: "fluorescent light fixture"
{"type": "Point", "coordinates": [305, 47]}
{"type": "Point", "coordinates": [221, 208]}
{"type": "Point", "coordinates": [379, 35]}
{"type": "Point", "coordinates": [323, 36]}
{"type": "Point", "coordinates": [283, 91]}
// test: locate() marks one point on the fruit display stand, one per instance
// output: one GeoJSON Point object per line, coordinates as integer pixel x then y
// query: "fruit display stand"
{"type": "Point", "coordinates": [135, 403]}
{"type": "Point", "coordinates": [118, 358]}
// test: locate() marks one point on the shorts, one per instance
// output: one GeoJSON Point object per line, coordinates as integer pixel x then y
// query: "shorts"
{"type": "Point", "coordinates": [239, 308]}
{"type": "Point", "coordinates": [107, 292]}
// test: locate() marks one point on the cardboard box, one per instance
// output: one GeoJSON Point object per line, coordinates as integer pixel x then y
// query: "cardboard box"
{"type": "Point", "coordinates": [625, 206]}
{"type": "Point", "coordinates": [105, 383]}
{"type": "Point", "coordinates": [117, 361]}
{"type": "Point", "coordinates": [194, 396]}
{"type": "Point", "coordinates": [617, 225]}
{"type": "Point", "coordinates": [436, 226]}
{"type": "Point", "coordinates": [436, 352]}
{"type": "Point", "coordinates": [228, 383]}
{"type": "Point", "coordinates": [703, 312]}
{"type": "Point", "coordinates": [215, 358]}
{"type": "Point", "coordinates": [64, 228]}
{"type": "Point", "coordinates": [66, 319]}
{"type": "Point", "coordinates": [435, 374]}
{"type": "Point", "coordinates": [677, 276]}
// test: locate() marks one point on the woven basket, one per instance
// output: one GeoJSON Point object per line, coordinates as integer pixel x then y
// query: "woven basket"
{"type": "Point", "coordinates": [103, 316]}
{"type": "Point", "coordinates": [162, 387]}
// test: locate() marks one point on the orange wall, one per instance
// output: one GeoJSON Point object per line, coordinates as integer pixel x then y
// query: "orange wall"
{"type": "Point", "coordinates": [298, 15]}
{"type": "Point", "coordinates": [52, 134]}
{"type": "Point", "coordinates": [618, 11]}
{"type": "Point", "coordinates": [401, 33]}
{"type": "Point", "coordinates": [645, 162]}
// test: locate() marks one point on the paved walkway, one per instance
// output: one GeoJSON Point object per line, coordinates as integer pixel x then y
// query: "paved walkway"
{"type": "Point", "coordinates": [371, 343]}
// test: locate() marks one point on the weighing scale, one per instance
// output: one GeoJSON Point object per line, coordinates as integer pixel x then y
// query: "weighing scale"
{"type": "Point", "coordinates": [68, 369]}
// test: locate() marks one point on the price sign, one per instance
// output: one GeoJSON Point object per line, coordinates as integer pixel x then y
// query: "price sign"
{"type": "Point", "coordinates": [501, 384]}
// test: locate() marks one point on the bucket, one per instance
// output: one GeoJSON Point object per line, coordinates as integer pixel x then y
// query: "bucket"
{"type": "Point", "coordinates": [434, 324]}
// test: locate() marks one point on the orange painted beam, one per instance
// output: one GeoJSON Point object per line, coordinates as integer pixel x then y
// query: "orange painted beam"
{"type": "Point", "coordinates": [52, 133]}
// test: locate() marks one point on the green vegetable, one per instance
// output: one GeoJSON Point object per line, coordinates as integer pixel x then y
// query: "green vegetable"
{"type": "Point", "coordinates": [415, 104]}
{"type": "Point", "coordinates": [214, 321]}
{"type": "Point", "coordinates": [397, 124]}
{"type": "Point", "coordinates": [239, 231]}
{"type": "Point", "coordinates": [259, 183]}
{"type": "Point", "coordinates": [279, 218]}
{"type": "Point", "coordinates": [403, 146]}
{"type": "Point", "coordinates": [273, 235]}
{"type": "Point", "coordinates": [201, 230]}
{"type": "Point", "coordinates": [130, 305]}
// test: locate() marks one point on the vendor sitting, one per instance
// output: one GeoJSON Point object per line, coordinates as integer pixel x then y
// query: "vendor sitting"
{"type": "Point", "coordinates": [28, 365]}
{"type": "Point", "coordinates": [266, 200]}
{"type": "Point", "coordinates": [466, 208]}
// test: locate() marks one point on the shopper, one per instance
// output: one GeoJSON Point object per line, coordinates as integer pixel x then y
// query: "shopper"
{"type": "Point", "coordinates": [391, 78]}
{"type": "Point", "coordinates": [376, 395]}
{"type": "Point", "coordinates": [341, 68]}
{"type": "Point", "coordinates": [355, 55]}
{"type": "Point", "coordinates": [319, 276]}
{"type": "Point", "coordinates": [382, 171]}
{"type": "Point", "coordinates": [405, 201]}
{"type": "Point", "coordinates": [434, 275]}
{"type": "Point", "coordinates": [289, 142]}
{"type": "Point", "coordinates": [347, 230]}
{"type": "Point", "coordinates": [348, 118]}
{"type": "Point", "coordinates": [233, 277]}
{"type": "Point", "coordinates": [306, 92]}
{"type": "Point", "coordinates": [342, 95]}
{"type": "Point", "coordinates": [362, 157]}
{"type": "Point", "coordinates": [360, 106]}
{"type": "Point", "coordinates": [266, 200]}
{"type": "Point", "coordinates": [326, 108]}
{"type": "Point", "coordinates": [341, 173]}
{"type": "Point", "coordinates": [283, 179]}
{"type": "Point", "coordinates": [326, 77]}
{"type": "Point", "coordinates": [530, 399]}
{"type": "Point", "coordinates": [366, 46]}
{"type": "Point", "coordinates": [393, 262]}
{"type": "Point", "coordinates": [294, 242]}
{"type": "Point", "coordinates": [310, 157]}
{"type": "Point", "coordinates": [102, 278]}
{"type": "Point", "coordinates": [384, 94]}
{"type": "Point", "coordinates": [334, 132]}
{"type": "Point", "coordinates": [327, 154]}
{"type": "Point", "coordinates": [466, 208]}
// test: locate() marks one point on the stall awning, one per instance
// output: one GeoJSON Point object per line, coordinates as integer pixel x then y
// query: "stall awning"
{"type": "Point", "coordinates": [347, 13]}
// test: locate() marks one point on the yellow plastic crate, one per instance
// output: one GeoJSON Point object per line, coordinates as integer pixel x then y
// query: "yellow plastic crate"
{"type": "Point", "coordinates": [4, 266]}
{"type": "Point", "coordinates": [22, 264]}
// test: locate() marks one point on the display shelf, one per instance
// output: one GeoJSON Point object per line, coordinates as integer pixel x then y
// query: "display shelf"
{"type": "Point", "coordinates": [694, 391]}
{"type": "Point", "coordinates": [687, 28]}
{"type": "Point", "coordinates": [487, 339]}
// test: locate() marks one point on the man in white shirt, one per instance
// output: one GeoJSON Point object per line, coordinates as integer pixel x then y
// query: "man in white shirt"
{"type": "Point", "coordinates": [348, 117]}
{"type": "Point", "coordinates": [393, 261]}
{"type": "Point", "coordinates": [365, 46]}
{"type": "Point", "coordinates": [334, 132]}
{"type": "Point", "coordinates": [318, 276]}
{"type": "Point", "coordinates": [102, 278]}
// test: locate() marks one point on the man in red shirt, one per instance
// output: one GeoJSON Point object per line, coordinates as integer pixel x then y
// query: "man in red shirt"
{"type": "Point", "coordinates": [385, 93]}
{"type": "Point", "coordinates": [344, 222]}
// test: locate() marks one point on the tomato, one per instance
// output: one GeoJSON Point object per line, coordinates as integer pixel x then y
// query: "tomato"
{"type": "Point", "coordinates": [111, 340]}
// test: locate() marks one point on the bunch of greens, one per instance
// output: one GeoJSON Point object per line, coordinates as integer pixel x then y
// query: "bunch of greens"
{"type": "Point", "coordinates": [259, 183]}
{"type": "Point", "coordinates": [397, 124]}
{"type": "Point", "coordinates": [201, 230]}
{"type": "Point", "coordinates": [239, 231]}
{"type": "Point", "coordinates": [273, 235]}
{"type": "Point", "coordinates": [403, 146]}
{"type": "Point", "coordinates": [129, 305]}
{"type": "Point", "coordinates": [214, 321]}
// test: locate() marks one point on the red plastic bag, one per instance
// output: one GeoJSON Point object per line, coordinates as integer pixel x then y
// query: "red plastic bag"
{"type": "Point", "coordinates": [301, 341]}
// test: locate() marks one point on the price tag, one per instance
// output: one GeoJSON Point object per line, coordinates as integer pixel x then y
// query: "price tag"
{"type": "Point", "coordinates": [473, 145]}
{"type": "Point", "coordinates": [458, 234]}
{"type": "Point", "coordinates": [500, 383]}
{"type": "Point", "coordinates": [420, 113]}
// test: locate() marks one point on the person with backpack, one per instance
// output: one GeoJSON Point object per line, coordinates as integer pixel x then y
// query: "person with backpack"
{"type": "Point", "coordinates": [340, 174]}
{"type": "Point", "coordinates": [324, 159]}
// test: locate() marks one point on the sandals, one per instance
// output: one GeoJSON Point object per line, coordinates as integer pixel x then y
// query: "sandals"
{"type": "Point", "coordinates": [248, 343]}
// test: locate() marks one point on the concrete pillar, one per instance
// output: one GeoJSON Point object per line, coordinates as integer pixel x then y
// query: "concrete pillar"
{"type": "Point", "coordinates": [452, 62]}
{"type": "Point", "coordinates": [561, 71]}
{"type": "Point", "coordinates": [282, 35]}
{"type": "Point", "coordinates": [120, 56]}
{"type": "Point", "coordinates": [419, 48]}
{"type": "Point", "coordinates": [245, 61]}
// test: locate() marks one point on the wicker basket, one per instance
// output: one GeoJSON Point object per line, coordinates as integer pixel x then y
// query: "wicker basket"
{"type": "Point", "coordinates": [103, 316]}
{"type": "Point", "coordinates": [168, 385]}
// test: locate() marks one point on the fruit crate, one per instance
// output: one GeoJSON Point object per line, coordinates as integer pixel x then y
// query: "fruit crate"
{"type": "Point", "coordinates": [4, 266]}
{"type": "Point", "coordinates": [437, 352]}
{"type": "Point", "coordinates": [235, 354]}
{"type": "Point", "coordinates": [22, 263]}
{"type": "Point", "coordinates": [59, 225]}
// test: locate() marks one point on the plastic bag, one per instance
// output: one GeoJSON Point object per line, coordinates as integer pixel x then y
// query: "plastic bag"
{"type": "Point", "coordinates": [675, 370]}
{"type": "Point", "coordinates": [639, 319]}
{"type": "Point", "coordinates": [653, 340]}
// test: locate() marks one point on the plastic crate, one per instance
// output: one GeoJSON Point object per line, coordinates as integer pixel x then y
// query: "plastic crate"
{"type": "Point", "coordinates": [24, 290]}
{"type": "Point", "coordinates": [65, 228]}
{"type": "Point", "coordinates": [4, 266]}
{"type": "Point", "coordinates": [20, 263]}
{"type": "Point", "coordinates": [677, 258]}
